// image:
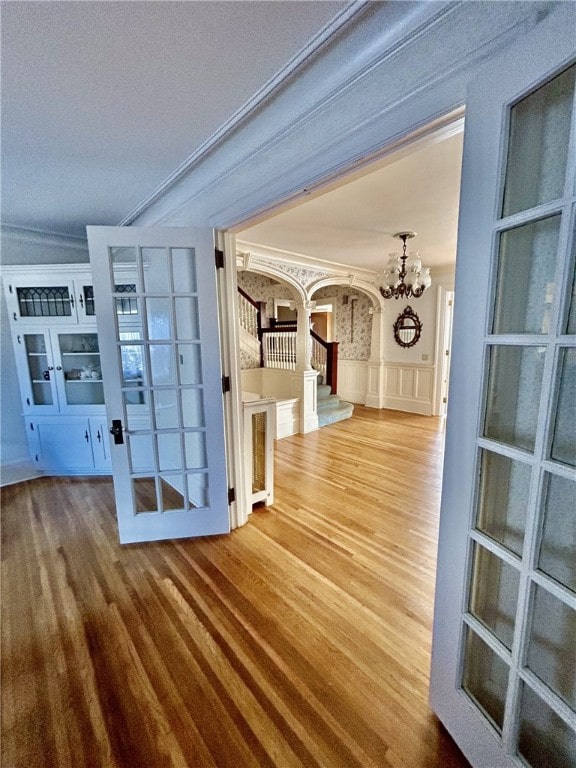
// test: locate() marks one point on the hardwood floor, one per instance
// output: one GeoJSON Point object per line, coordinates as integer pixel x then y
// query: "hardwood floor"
{"type": "Point", "coordinates": [302, 639]}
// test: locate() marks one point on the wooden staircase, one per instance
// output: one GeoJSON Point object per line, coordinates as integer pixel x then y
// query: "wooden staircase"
{"type": "Point", "coordinates": [276, 348]}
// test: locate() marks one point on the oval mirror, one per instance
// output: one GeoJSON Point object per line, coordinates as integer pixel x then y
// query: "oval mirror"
{"type": "Point", "coordinates": [407, 328]}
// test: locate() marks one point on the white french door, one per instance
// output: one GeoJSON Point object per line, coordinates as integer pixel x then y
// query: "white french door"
{"type": "Point", "coordinates": [504, 651]}
{"type": "Point", "coordinates": [162, 379]}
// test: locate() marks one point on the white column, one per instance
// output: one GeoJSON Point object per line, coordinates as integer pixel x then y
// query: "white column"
{"type": "Point", "coordinates": [376, 367]}
{"type": "Point", "coordinates": [304, 386]}
{"type": "Point", "coordinates": [304, 377]}
{"type": "Point", "coordinates": [304, 341]}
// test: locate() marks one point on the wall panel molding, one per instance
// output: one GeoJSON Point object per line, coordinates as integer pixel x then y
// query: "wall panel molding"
{"type": "Point", "coordinates": [409, 387]}
{"type": "Point", "coordinates": [352, 380]}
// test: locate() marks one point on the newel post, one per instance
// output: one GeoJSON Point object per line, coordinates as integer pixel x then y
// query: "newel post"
{"type": "Point", "coordinates": [332, 366]}
{"type": "Point", "coordinates": [304, 384]}
{"type": "Point", "coordinates": [304, 340]}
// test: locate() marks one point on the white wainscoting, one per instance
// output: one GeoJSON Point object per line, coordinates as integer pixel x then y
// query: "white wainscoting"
{"type": "Point", "coordinates": [276, 383]}
{"type": "Point", "coordinates": [287, 417]}
{"type": "Point", "coordinates": [409, 387]}
{"type": "Point", "coordinates": [352, 379]}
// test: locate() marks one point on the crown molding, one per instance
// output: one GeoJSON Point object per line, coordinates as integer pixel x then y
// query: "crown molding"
{"type": "Point", "coordinates": [28, 235]}
{"type": "Point", "coordinates": [289, 70]}
{"type": "Point", "coordinates": [247, 252]}
{"type": "Point", "coordinates": [363, 85]}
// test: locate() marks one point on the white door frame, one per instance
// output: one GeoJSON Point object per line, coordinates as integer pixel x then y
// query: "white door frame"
{"type": "Point", "coordinates": [227, 288]}
{"type": "Point", "coordinates": [438, 408]}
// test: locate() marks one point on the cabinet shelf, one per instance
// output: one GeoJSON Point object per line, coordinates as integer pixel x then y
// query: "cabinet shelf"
{"type": "Point", "coordinates": [36, 354]}
{"type": "Point", "coordinates": [83, 381]}
{"type": "Point", "coordinates": [81, 354]}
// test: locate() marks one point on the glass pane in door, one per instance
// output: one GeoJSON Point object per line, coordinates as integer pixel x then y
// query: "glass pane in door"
{"type": "Point", "coordinates": [552, 644]}
{"type": "Point", "coordinates": [159, 318]}
{"type": "Point", "coordinates": [525, 282]}
{"type": "Point", "coordinates": [493, 594]}
{"type": "Point", "coordinates": [564, 439]}
{"type": "Point", "coordinates": [166, 411]}
{"type": "Point", "coordinates": [162, 381]}
{"type": "Point", "coordinates": [485, 677]}
{"type": "Point", "coordinates": [538, 148]}
{"type": "Point", "coordinates": [126, 302]}
{"type": "Point", "coordinates": [571, 324]}
{"type": "Point", "coordinates": [513, 398]}
{"type": "Point", "coordinates": [504, 486]}
{"type": "Point", "coordinates": [157, 272]}
{"type": "Point", "coordinates": [39, 369]}
{"type": "Point", "coordinates": [557, 555]}
{"type": "Point", "coordinates": [183, 270]}
{"type": "Point", "coordinates": [545, 739]}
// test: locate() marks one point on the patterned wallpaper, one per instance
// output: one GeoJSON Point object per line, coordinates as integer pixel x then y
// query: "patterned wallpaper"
{"type": "Point", "coordinates": [262, 288]}
{"type": "Point", "coordinates": [354, 337]}
{"type": "Point", "coordinates": [247, 360]}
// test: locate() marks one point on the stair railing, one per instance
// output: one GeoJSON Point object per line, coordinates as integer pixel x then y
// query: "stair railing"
{"type": "Point", "coordinates": [325, 360]}
{"type": "Point", "coordinates": [279, 347]}
{"type": "Point", "coordinates": [279, 341]}
{"type": "Point", "coordinates": [250, 314]}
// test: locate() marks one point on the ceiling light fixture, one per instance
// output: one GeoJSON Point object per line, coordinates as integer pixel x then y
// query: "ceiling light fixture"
{"type": "Point", "coordinates": [403, 280]}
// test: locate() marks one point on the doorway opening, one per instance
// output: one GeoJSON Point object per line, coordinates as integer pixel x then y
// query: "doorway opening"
{"type": "Point", "coordinates": [343, 235]}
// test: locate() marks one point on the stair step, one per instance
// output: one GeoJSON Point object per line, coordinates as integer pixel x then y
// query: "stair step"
{"type": "Point", "coordinates": [328, 403]}
{"type": "Point", "coordinates": [344, 411]}
{"type": "Point", "coordinates": [323, 390]}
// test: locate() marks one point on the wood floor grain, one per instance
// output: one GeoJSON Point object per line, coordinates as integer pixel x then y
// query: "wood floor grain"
{"type": "Point", "coordinates": [302, 639]}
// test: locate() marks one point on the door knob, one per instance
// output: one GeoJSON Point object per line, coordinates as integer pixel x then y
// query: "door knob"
{"type": "Point", "coordinates": [117, 430]}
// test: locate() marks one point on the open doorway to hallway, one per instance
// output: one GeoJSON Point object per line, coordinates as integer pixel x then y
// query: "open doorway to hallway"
{"type": "Point", "coordinates": [336, 245]}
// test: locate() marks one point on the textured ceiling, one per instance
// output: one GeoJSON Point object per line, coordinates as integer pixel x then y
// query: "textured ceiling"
{"type": "Point", "coordinates": [102, 101]}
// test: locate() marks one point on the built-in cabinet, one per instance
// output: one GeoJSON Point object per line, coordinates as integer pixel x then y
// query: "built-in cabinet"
{"type": "Point", "coordinates": [69, 444]}
{"type": "Point", "coordinates": [59, 369]}
{"type": "Point", "coordinates": [53, 324]}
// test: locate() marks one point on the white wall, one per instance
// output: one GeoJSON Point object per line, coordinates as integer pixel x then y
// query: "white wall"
{"type": "Point", "coordinates": [423, 350]}
{"type": "Point", "coordinates": [411, 375]}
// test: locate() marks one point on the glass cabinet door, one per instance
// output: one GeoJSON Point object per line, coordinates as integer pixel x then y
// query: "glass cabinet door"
{"type": "Point", "coordinates": [126, 301]}
{"type": "Point", "coordinates": [46, 300]}
{"type": "Point", "coordinates": [37, 371]}
{"type": "Point", "coordinates": [79, 368]}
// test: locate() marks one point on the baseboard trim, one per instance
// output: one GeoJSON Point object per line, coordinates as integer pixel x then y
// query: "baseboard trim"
{"type": "Point", "coordinates": [17, 472]}
{"type": "Point", "coordinates": [408, 405]}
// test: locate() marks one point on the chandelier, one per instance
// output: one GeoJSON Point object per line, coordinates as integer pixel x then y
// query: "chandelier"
{"type": "Point", "coordinates": [403, 280]}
